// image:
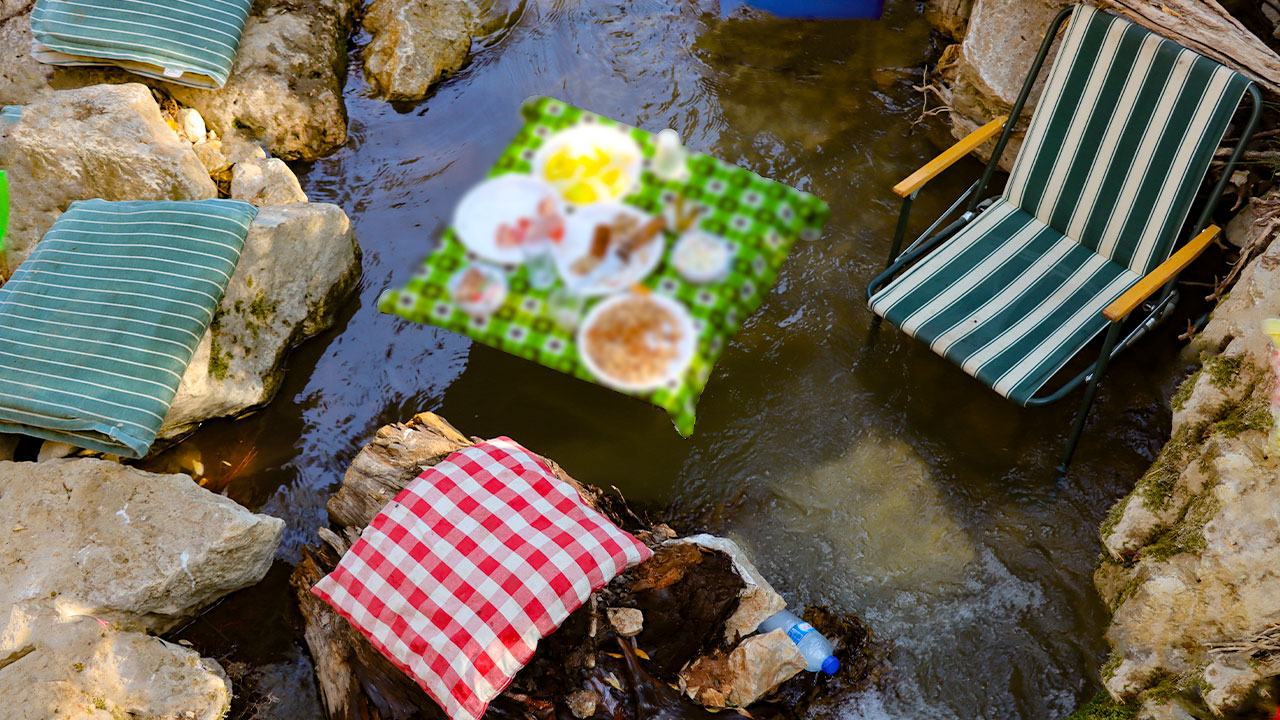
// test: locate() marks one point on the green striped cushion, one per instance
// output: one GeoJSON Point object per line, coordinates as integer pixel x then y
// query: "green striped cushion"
{"type": "Point", "coordinates": [1122, 138]}
{"type": "Point", "coordinates": [190, 42]}
{"type": "Point", "coordinates": [98, 324]}
{"type": "Point", "coordinates": [1009, 299]}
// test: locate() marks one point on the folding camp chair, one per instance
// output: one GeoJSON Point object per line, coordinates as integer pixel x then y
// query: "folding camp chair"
{"type": "Point", "coordinates": [1081, 237]}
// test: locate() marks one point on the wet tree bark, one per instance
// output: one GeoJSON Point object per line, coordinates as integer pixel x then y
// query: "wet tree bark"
{"type": "Point", "coordinates": [1206, 27]}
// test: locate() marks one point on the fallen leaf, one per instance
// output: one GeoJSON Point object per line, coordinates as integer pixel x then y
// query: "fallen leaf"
{"type": "Point", "coordinates": [613, 682]}
{"type": "Point", "coordinates": [642, 654]}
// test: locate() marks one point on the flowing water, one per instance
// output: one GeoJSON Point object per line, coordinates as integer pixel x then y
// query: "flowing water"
{"type": "Point", "coordinates": [859, 469]}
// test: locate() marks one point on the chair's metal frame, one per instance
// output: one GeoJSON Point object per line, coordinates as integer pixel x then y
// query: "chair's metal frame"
{"type": "Point", "coordinates": [1158, 309]}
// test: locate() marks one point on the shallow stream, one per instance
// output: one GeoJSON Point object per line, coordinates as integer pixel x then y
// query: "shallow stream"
{"type": "Point", "coordinates": [871, 476]}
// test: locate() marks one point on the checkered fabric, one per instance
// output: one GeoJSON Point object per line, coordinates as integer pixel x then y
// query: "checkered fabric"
{"type": "Point", "coordinates": [458, 578]}
{"type": "Point", "coordinates": [761, 218]}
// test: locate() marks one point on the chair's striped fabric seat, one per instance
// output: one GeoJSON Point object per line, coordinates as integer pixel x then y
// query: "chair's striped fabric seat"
{"type": "Point", "coordinates": [190, 42]}
{"type": "Point", "coordinates": [98, 324]}
{"type": "Point", "coordinates": [1009, 299]}
{"type": "Point", "coordinates": [1120, 141]}
{"type": "Point", "coordinates": [1122, 137]}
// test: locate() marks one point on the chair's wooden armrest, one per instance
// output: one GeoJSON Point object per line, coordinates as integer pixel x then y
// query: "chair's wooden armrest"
{"type": "Point", "coordinates": [1120, 308]}
{"type": "Point", "coordinates": [917, 179]}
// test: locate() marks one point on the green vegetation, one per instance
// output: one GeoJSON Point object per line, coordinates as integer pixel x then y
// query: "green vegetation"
{"type": "Point", "coordinates": [1113, 516]}
{"type": "Point", "coordinates": [219, 358]}
{"type": "Point", "coordinates": [1188, 534]}
{"type": "Point", "coordinates": [1102, 707]}
{"type": "Point", "coordinates": [1223, 372]}
{"type": "Point", "coordinates": [1108, 670]}
{"type": "Point", "coordinates": [1156, 486]}
{"type": "Point", "coordinates": [1183, 393]}
{"type": "Point", "coordinates": [1165, 687]}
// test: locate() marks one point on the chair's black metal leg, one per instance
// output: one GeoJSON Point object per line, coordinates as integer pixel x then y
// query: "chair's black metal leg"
{"type": "Point", "coordinates": [898, 235]}
{"type": "Point", "coordinates": [1113, 333]}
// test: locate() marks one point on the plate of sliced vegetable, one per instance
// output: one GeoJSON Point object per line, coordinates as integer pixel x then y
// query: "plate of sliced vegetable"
{"type": "Point", "coordinates": [504, 219]}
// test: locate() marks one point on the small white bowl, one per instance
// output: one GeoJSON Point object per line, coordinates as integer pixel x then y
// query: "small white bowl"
{"type": "Point", "coordinates": [701, 257]}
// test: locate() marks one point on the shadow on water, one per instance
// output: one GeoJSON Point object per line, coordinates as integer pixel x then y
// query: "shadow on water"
{"type": "Point", "coordinates": [880, 481]}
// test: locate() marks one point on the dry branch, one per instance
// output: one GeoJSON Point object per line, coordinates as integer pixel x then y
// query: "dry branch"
{"type": "Point", "coordinates": [1206, 27]}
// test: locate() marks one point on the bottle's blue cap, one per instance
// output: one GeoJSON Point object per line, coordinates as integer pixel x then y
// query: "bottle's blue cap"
{"type": "Point", "coordinates": [831, 665]}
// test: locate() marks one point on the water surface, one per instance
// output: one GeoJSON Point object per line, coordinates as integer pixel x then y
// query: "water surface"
{"type": "Point", "coordinates": [871, 476]}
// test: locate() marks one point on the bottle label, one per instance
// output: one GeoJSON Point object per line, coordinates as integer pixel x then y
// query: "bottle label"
{"type": "Point", "coordinates": [798, 631]}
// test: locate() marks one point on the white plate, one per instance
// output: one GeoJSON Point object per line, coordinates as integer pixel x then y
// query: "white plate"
{"type": "Point", "coordinates": [685, 346]}
{"type": "Point", "coordinates": [580, 229]}
{"type": "Point", "coordinates": [622, 150]}
{"type": "Point", "coordinates": [504, 199]}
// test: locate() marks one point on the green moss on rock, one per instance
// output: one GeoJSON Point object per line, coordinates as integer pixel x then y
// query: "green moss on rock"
{"type": "Point", "coordinates": [219, 357]}
{"type": "Point", "coordinates": [1102, 707]}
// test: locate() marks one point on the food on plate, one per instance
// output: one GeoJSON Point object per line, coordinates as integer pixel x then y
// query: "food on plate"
{"type": "Point", "coordinates": [624, 236]}
{"type": "Point", "coordinates": [634, 340]}
{"type": "Point", "coordinates": [548, 224]}
{"type": "Point", "coordinates": [588, 164]}
{"type": "Point", "coordinates": [701, 257]}
{"type": "Point", "coordinates": [478, 290]}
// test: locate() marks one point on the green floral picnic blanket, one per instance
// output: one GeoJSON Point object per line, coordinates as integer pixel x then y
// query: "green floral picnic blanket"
{"type": "Point", "coordinates": [758, 219]}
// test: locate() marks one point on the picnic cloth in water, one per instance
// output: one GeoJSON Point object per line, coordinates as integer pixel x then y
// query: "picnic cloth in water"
{"type": "Point", "coordinates": [761, 219]}
{"type": "Point", "coordinates": [98, 324]}
{"type": "Point", "coordinates": [483, 555]}
{"type": "Point", "coordinates": [188, 42]}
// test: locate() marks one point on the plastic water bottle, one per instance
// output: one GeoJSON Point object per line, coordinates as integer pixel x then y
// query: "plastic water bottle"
{"type": "Point", "coordinates": [815, 648]}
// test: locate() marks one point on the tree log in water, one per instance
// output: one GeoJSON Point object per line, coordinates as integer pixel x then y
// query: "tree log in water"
{"type": "Point", "coordinates": [1206, 27]}
{"type": "Point", "coordinates": [686, 593]}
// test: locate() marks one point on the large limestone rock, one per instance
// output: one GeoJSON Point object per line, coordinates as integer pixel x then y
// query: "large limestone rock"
{"type": "Point", "coordinates": [136, 549]}
{"type": "Point", "coordinates": [77, 668]}
{"type": "Point", "coordinates": [985, 72]}
{"type": "Point", "coordinates": [1193, 569]}
{"type": "Point", "coordinates": [285, 89]}
{"type": "Point", "coordinates": [299, 261]}
{"type": "Point", "coordinates": [101, 141]}
{"type": "Point", "coordinates": [415, 44]}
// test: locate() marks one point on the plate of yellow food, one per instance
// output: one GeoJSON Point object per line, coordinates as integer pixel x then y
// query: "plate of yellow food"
{"type": "Point", "coordinates": [590, 163]}
{"type": "Point", "coordinates": [636, 342]}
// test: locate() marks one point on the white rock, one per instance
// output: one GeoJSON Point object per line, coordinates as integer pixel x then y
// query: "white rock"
{"type": "Point", "coordinates": [299, 262]}
{"type": "Point", "coordinates": [212, 156]}
{"type": "Point", "coordinates": [145, 551]}
{"type": "Point", "coordinates": [52, 450]}
{"type": "Point", "coordinates": [627, 622]}
{"type": "Point", "coordinates": [239, 149]}
{"type": "Point", "coordinates": [757, 601]}
{"type": "Point", "coordinates": [101, 141]}
{"type": "Point", "coordinates": [192, 125]}
{"type": "Point", "coordinates": [76, 669]}
{"type": "Point", "coordinates": [265, 182]}
{"type": "Point", "coordinates": [415, 44]}
{"type": "Point", "coordinates": [755, 668]}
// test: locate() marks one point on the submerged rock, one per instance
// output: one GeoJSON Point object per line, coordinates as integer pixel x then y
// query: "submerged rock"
{"type": "Point", "coordinates": [415, 44]}
{"type": "Point", "coordinates": [285, 88]}
{"type": "Point", "coordinates": [101, 141]}
{"type": "Point", "coordinates": [1193, 565]}
{"type": "Point", "coordinates": [299, 262]}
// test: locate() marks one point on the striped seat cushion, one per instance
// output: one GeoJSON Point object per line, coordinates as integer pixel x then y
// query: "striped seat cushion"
{"type": "Point", "coordinates": [1009, 299]}
{"type": "Point", "coordinates": [98, 324]}
{"type": "Point", "coordinates": [1122, 138]}
{"type": "Point", "coordinates": [188, 42]}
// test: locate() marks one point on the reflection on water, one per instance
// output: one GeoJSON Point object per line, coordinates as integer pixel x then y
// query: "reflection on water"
{"type": "Point", "coordinates": [876, 478]}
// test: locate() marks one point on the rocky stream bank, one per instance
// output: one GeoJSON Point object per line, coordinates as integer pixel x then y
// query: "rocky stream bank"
{"type": "Point", "coordinates": [1189, 566]}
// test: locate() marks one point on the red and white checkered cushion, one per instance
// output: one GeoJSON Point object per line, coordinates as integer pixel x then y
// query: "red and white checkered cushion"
{"type": "Point", "coordinates": [480, 557]}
